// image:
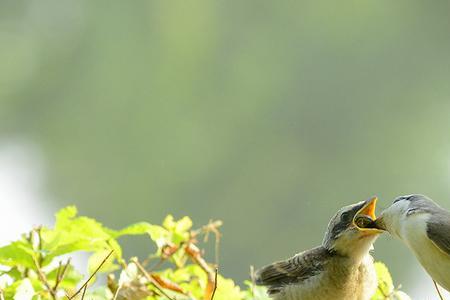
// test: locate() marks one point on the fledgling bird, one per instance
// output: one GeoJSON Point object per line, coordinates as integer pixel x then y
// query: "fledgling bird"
{"type": "Point", "coordinates": [340, 269]}
{"type": "Point", "coordinates": [424, 227]}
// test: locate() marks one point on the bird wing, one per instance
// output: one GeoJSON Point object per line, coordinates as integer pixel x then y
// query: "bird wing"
{"type": "Point", "coordinates": [438, 230]}
{"type": "Point", "coordinates": [293, 270]}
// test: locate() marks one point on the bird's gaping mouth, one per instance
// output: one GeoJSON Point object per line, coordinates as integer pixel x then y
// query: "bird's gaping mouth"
{"type": "Point", "coordinates": [365, 218]}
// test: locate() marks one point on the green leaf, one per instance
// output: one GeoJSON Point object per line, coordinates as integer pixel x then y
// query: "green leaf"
{"type": "Point", "coordinates": [64, 215]}
{"type": "Point", "coordinates": [180, 226]}
{"type": "Point", "coordinates": [159, 235]}
{"type": "Point", "coordinates": [14, 273]}
{"type": "Point", "coordinates": [74, 233]}
{"type": "Point", "coordinates": [183, 225]}
{"type": "Point", "coordinates": [179, 229]}
{"type": "Point", "coordinates": [69, 248]}
{"type": "Point", "coordinates": [385, 282]}
{"type": "Point", "coordinates": [227, 290]}
{"type": "Point", "coordinates": [135, 229]}
{"type": "Point", "coordinates": [97, 258]}
{"type": "Point", "coordinates": [169, 222]}
{"type": "Point", "coordinates": [10, 290]}
{"type": "Point", "coordinates": [70, 229]}
{"type": "Point", "coordinates": [386, 289]}
{"type": "Point", "coordinates": [19, 253]}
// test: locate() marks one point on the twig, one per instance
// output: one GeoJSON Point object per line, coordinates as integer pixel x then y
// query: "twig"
{"type": "Point", "coordinates": [84, 292]}
{"type": "Point", "coordinates": [2, 297]}
{"type": "Point", "coordinates": [215, 284]}
{"type": "Point", "coordinates": [117, 292]}
{"type": "Point", "coordinates": [212, 226]}
{"type": "Point", "coordinates": [252, 277]}
{"type": "Point", "coordinates": [58, 271]}
{"type": "Point", "coordinates": [61, 273]}
{"type": "Point", "coordinates": [39, 245]}
{"type": "Point", "coordinates": [38, 260]}
{"type": "Point", "coordinates": [437, 289]}
{"type": "Point", "coordinates": [150, 278]}
{"type": "Point", "coordinates": [43, 278]}
{"type": "Point", "coordinates": [167, 252]}
{"type": "Point", "coordinates": [92, 275]}
{"type": "Point", "coordinates": [382, 292]}
{"type": "Point", "coordinates": [194, 253]}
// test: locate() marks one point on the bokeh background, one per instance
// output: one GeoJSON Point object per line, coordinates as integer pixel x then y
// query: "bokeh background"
{"type": "Point", "coordinates": [269, 115]}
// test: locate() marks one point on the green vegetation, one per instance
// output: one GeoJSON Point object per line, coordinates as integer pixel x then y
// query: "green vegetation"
{"type": "Point", "coordinates": [38, 266]}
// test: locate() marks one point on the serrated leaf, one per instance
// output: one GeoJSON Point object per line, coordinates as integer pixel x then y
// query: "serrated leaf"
{"type": "Point", "coordinates": [183, 225]}
{"type": "Point", "coordinates": [65, 214]}
{"type": "Point", "coordinates": [159, 235]}
{"type": "Point", "coordinates": [227, 290]}
{"type": "Point", "coordinates": [179, 230]}
{"type": "Point", "coordinates": [169, 222]}
{"type": "Point", "coordinates": [74, 233]}
{"type": "Point", "coordinates": [135, 229]}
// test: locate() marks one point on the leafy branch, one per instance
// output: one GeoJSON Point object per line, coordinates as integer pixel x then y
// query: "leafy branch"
{"type": "Point", "coordinates": [36, 266]}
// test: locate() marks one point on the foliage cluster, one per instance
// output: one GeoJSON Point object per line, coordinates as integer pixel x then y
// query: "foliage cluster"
{"type": "Point", "coordinates": [38, 266]}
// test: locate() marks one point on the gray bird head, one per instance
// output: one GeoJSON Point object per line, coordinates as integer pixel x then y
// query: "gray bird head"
{"type": "Point", "coordinates": [403, 207]}
{"type": "Point", "coordinates": [345, 237]}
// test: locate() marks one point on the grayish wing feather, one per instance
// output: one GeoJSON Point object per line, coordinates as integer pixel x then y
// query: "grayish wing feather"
{"type": "Point", "coordinates": [438, 230]}
{"type": "Point", "coordinates": [293, 270]}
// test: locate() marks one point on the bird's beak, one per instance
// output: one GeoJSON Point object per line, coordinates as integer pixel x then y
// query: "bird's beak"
{"type": "Point", "coordinates": [368, 210]}
{"type": "Point", "coordinates": [379, 223]}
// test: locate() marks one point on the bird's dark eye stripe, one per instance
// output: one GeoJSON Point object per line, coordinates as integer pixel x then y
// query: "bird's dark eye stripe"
{"type": "Point", "coordinates": [398, 199]}
{"type": "Point", "coordinates": [407, 198]}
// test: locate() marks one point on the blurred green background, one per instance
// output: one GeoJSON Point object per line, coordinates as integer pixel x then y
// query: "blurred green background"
{"type": "Point", "coordinates": [269, 115]}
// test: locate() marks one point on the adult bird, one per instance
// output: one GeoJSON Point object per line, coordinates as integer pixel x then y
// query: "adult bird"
{"type": "Point", "coordinates": [341, 268]}
{"type": "Point", "coordinates": [424, 227]}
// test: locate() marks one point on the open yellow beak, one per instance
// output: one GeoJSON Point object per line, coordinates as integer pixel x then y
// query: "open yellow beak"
{"type": "Point", "coordinates": [368, 210]}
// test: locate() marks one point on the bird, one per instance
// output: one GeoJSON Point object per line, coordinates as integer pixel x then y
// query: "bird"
{"type": "Point", "coordinates": [424, 227]}
{"type": "Point", "coordinates": [341, 268]}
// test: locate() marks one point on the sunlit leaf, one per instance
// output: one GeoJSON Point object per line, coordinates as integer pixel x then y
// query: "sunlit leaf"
{"type": "Point", "coordinates": [19, 253]}
{"type": "Point", "coordinates": [96, 259]}
{"type": "Point", "coordinates": [135, 229]}
{"type": "Point", "coordinates": [227, 290]}
{"type": "Point", "coordinates": [386, 289]}
{"type": "Point", "coordinates": [24, 291]}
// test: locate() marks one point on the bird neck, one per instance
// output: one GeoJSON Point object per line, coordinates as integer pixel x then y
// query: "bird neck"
{"type": "Point", "coordinates": [355, 252]}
